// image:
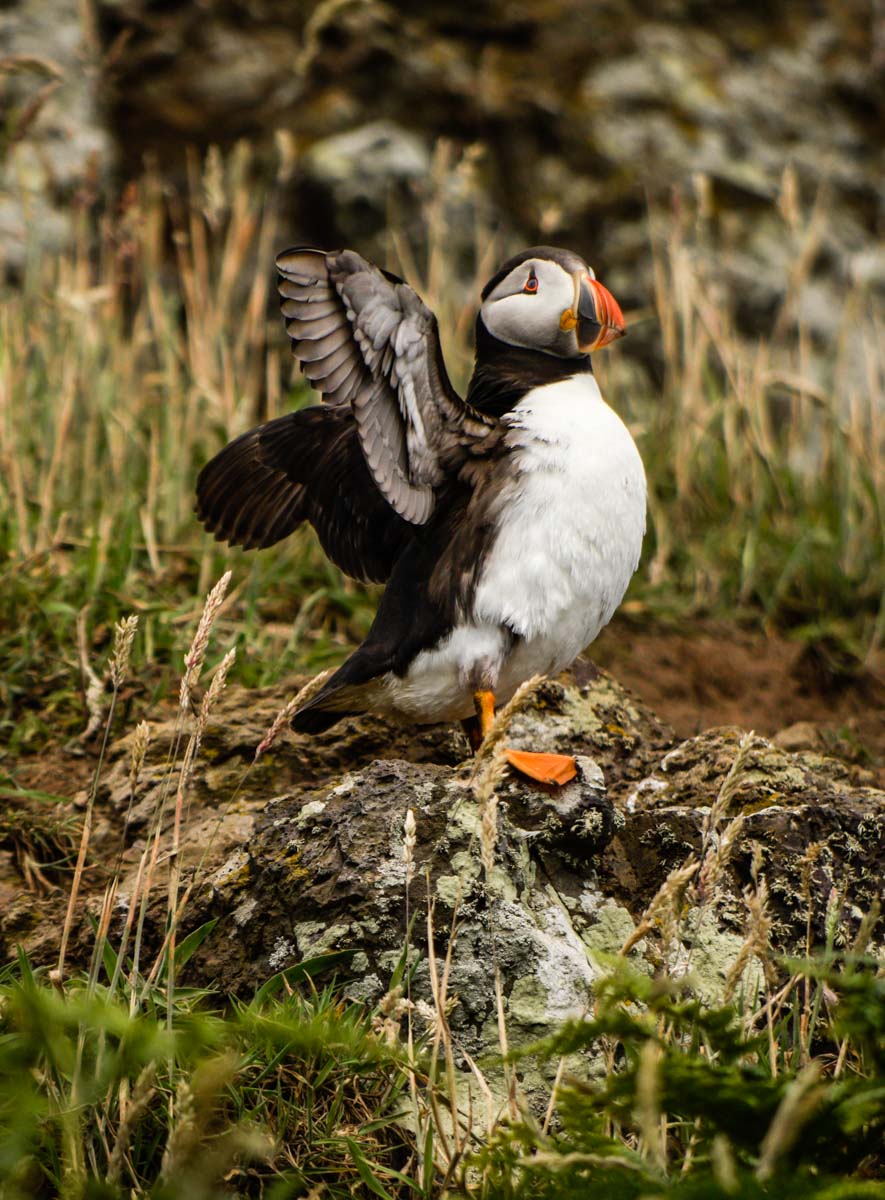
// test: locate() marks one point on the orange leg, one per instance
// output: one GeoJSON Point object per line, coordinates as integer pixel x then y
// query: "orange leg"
{"type": "Point", "coordinates": [484, 703]}
{"type": "Point", "coordinates": [544, 768]}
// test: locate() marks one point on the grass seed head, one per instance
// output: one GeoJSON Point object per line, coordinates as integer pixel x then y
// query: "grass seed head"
{"type": "Point", "coordinates": [193, 660]}
{"type": "Point", "coordinates": [124, 635]}
{"type": "Point", "coordinates": [289, 709]}
{"type": "Point", "coordinates": [409, 841]}
{"type": "Point", "coordinates": [140, 742]}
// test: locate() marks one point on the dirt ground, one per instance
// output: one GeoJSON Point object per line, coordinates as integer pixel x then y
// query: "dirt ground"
{"type": "Point", "coordinates": [720, 674]}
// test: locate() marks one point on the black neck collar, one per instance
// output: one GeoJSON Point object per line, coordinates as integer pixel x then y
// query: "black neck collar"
{"type": "Point", "coordinates": [503, 374]}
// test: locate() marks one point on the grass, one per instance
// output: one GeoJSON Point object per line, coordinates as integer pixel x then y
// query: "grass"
{"type": "Point", "coordinates": [117, 1081]}
{"type": "Point", "coordinates": [124, 364]}
{"type": "Point", "coordinates": [128, 360]}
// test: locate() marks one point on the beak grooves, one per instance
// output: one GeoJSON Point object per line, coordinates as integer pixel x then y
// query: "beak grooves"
{"type": "Point", "coordinates": [601, 315]}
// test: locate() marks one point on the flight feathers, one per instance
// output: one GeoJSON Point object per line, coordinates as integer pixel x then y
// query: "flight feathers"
{"type": "Point", "coordinates": [305, 466]}
{"type": "Point", "coordinates": [365, 339]}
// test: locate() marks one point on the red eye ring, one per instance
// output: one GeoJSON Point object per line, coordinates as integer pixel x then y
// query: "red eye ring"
{"type": "Point", "coordinates": [531, 285]}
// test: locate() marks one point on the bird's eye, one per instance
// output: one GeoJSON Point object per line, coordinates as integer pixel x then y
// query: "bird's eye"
{"type": "Point", "coordinates": [531, 284]}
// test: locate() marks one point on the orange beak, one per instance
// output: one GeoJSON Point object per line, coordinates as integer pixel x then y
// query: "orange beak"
{"type": "Point", "coordinates": [596, 317]}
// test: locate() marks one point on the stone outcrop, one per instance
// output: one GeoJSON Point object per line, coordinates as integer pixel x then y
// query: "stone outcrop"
{"type": "Point", "coordinates": [55, 147]}
{"type": "Point", "coordinates": [301, 853]}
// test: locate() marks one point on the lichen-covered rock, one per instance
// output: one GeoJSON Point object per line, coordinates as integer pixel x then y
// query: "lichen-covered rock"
{"type": "Point", "coordinates": [786, 804]}
{"type": "Point", "coordinates": [648, 852]}
{"type": "Point", "coordinates": [326, 871]}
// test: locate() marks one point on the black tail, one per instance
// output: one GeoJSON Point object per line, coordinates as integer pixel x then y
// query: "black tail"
{"type": "Point", "coordinates": [337, 698]}
{"type": "Point", "coordinates": [315, 720]}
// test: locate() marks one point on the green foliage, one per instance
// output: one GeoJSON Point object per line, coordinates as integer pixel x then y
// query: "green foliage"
{"type": "Point", "coordinates": [96, 1099]}
{"type": "Point", "coordinates": [296, 1089]}
{"type": "Point", "coordinates": [692, 1107]}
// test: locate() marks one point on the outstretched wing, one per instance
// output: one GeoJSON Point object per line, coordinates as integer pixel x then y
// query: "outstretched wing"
{"type": "Point", "coordinates": [367, 341]}
{"type": "Point", "coordinates": [305, 466]}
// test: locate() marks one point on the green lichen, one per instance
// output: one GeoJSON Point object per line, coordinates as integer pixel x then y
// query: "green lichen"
{"type": "Point", "coordinates": [315, 937]}
{"type": "Point", "coordinates": [528, 1003]}
{"type": "Point", "coordinates": [613, 925]}
{"type": "Point", "coordinates": [449, 888]}
{"type": "Point", "coordinates": [713, 952]}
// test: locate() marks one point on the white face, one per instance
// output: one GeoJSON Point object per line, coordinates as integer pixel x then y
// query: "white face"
{"type": "Point", "coordinates": [526, 308]}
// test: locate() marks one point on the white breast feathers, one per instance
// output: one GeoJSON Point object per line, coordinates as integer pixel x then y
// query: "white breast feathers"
{"type": "Point", "coordinates": [571, 521]}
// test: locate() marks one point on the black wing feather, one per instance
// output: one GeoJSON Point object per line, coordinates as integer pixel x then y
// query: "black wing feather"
{"type": "Point", "coordinates": [305, 466]}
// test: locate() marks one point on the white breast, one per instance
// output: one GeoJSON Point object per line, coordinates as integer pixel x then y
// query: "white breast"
{"type": "Point", "coordinates": [572, 522]}
{"type": "Point", "coordinates": [569, 532]}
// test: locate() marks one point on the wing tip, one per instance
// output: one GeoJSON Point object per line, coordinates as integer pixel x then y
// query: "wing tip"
{"type": "Point", "coordinates": [288, 261]}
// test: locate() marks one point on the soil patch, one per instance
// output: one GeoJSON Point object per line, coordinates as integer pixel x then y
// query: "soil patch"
{"type": "Point", "coordinates": [720, 674]}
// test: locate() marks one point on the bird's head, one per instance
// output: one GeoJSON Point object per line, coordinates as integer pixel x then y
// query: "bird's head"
{"type": "Point", "coordinates": [549, 300]}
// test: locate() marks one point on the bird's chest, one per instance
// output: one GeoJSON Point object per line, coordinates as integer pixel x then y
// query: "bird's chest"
{"type": "Point", "coordinates": [571, 520]}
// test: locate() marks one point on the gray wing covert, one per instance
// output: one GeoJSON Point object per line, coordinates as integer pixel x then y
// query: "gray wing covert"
{"type": "Point", "coordinates": [366, 340]}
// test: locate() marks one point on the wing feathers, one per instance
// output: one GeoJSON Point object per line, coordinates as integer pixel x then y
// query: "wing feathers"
{"type": "Point", "coordinates": [306, 466]}
{"type": "Point", "coordinates": [245, 502]}
{"type": "Point", "coordinates": [314, 326]}
{"type": "Point", "coordinates": [365, 339]}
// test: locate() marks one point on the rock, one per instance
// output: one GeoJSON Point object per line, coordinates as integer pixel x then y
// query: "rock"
{"type": "Point", "coordinates": [301, 853]}
{"type": "Point", "coordinates": [326, 872]}
{"type": "Point", "coordinates": [363, 164]}
{"type": "Point", "coordinates": [55, 148]}
{"type": "Point", "coordinates": [583, 115]}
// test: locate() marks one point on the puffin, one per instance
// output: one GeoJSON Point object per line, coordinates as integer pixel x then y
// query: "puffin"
{"type": "Point", "coordinates": [506, 524]}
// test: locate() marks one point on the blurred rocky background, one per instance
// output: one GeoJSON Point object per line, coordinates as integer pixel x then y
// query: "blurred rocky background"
{"type": "Point", "coordinates": [577, 117]}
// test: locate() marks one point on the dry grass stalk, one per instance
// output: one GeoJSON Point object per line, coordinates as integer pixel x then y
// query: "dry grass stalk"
{"type": "Point", "coordinates": [724, 1166]}
{"type": "Point", "coordinates": [193, 660]}
{"type": "Point", "coordinates": [131, 1112]}
{"type": "Point", "coordinates": [713, 860]}
{"type": "Point", "coordinates": [664, 910]}
{"type": "Point", "coordinates": [124, 634]}
{"type": "Point", "coordinates": [809, 860]}
{"type": "Point", "coordinates": [757, 944]}
{"type": "Point", "coordinates": [648, 1112]}
{"type": "Point", "coordinates": [286, 713]}
{"type": "Point", "coordinates": [216, 687]}
{"type": "Point", "coordinates": [758, 940]}
{"type": "Point", "coordinates": [715, 864]}
{"type": "Point", "coordinates": [729, 785]}
{"type": "Point", "coordinates": [409, 842]}
{"type": "Point", "coordinates": [802, 1096]}
{"type": "Point", "coordinates": [442, 1035]}
{"type": "Point", "coordinates": [184, 1134]}
{"type": "Point", "coordinates": [488, 834]}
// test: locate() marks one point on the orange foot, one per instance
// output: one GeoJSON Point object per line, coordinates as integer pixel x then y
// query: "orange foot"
{"type": "Point", "coordinates": [545, 768]}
